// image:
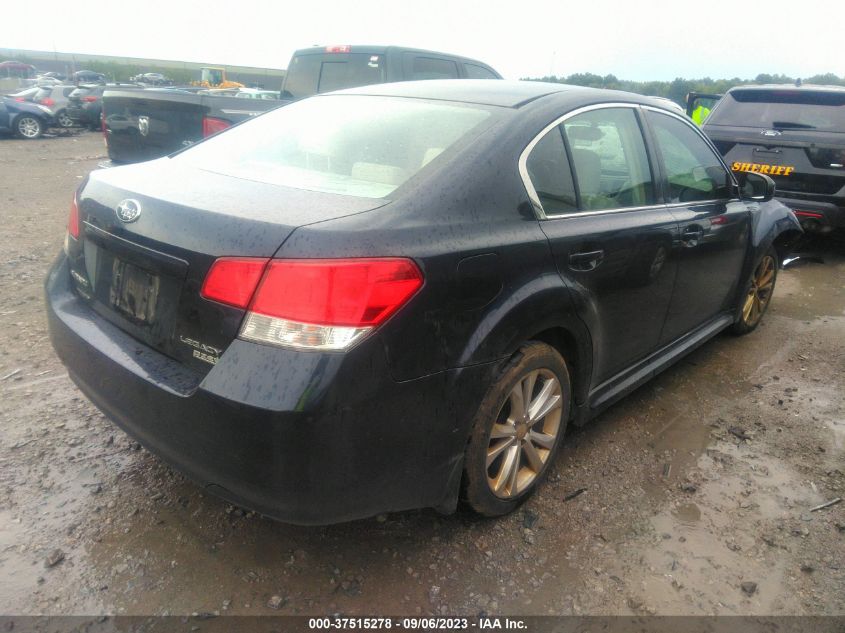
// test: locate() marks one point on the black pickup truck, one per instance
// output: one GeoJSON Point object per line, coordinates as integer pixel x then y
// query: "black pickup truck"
{"type": "Point", "coordinates": [142, 124]}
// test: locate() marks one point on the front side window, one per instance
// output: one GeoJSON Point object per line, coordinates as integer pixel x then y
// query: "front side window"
{"type": "Point", "coordinates": [550, 174]}
{"type": "Point", "coordinates": [432, 68]}
{"type": "Point", "coordinates": [693, 171]}
{"type": "Point", "coordinates": [354, 145]}
{"type": "Point", "coordinates": [609, 159]}
{"type": "Point", "coordinates": [474, 71]}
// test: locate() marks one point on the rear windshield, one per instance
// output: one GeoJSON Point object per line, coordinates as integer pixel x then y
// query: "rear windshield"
{"type": "Point", "coordinates": [310, 74]}
{"type": "Point", "coordinates": [354, 145]}
{"type": "Point", "coordinates": [80, 92]}
{"type": "Point", "coordinates": [782, 109]}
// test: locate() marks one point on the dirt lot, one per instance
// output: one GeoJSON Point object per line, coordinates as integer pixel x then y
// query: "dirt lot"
{"type": "Point", "coordinates": [698, 488]}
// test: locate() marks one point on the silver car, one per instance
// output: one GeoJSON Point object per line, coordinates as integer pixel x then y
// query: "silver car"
{"type": "Point", "coordinates": [55, 99]}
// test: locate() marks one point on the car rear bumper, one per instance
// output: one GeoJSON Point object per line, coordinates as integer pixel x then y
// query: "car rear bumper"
{"type": "Point", "coordinates": [306, 438]}
{"type": "Point", "coordinates": [816, 216]}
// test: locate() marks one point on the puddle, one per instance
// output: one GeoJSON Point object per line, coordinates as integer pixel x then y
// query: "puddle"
{"type": "Point", "coordinates": [687, 513]}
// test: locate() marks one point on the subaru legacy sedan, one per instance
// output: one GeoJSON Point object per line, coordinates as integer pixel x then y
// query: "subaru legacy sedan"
{"type": "Point", "coordinates": [400, 296]}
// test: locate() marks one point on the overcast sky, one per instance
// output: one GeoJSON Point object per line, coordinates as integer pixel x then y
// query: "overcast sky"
{"type": "Point", "coordinates": [650, 39]}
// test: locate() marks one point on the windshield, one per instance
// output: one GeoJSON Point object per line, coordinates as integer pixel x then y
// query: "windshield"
{"type": "Point", "coordinates": [347, 144]}
{"type": "Point", "coordinates": [782, 109]}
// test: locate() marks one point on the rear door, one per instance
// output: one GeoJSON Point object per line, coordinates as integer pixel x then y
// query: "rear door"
{"type": "Point", "coordinates": [714, 226]}
{"type": "Point", "coordinates": [591, 177]}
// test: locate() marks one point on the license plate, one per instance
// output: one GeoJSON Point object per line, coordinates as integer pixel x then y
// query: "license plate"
{"type": "Point", "coordinates": [763, 168]}
{"type": "Point", "coordinates": [134, 292]}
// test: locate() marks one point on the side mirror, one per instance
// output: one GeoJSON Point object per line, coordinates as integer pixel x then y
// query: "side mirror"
{"type": "Point", "coordinates": [754, 186]}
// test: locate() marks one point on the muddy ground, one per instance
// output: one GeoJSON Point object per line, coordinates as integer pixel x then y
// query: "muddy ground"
{"type": "Point", "coordinates": [698, 487]}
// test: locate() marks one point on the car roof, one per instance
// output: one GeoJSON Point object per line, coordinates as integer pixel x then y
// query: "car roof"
{"type": "Point", "coordinates": [498, 92]}
{"type": "Point", "coordinates": [375, 49]}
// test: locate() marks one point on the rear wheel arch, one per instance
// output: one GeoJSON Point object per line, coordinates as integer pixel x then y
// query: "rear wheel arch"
{"type": "Point", "coordinates": [577, 356]}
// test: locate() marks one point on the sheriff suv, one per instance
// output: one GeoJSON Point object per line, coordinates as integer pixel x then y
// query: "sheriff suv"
{"type": "Point", "coordinates": [796, 135]}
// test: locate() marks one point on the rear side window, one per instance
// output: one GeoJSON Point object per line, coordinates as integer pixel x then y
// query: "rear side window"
{"type": "Point", "coordinates": [312, 74]}
{"type": "Point", "coordinates": [302, 76]}
{"type": "Point", "coordinates": [433, 68]}
{"type": "Point", "coordinates": [797, 109]}
{"type": "Point", "coordinates": [474, 71]}
{"type": "Point", "coordinates": [609, 158]}
{"type": "Point", "coordinates": [358, 69]}
{"type": "Point", "coordinates": [693, 171]}
{"type": "Point", "coordinates": [550, 174]}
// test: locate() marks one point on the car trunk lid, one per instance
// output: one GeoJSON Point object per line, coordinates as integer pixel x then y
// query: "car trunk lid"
{"type": "Point", "coordinates": [144, 273]}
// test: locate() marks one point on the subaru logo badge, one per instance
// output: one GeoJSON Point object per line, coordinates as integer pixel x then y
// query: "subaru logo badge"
{"type": "Point", "coordinates": [144, 125]}
{"type": "Point", "coordinates": [128, 211]}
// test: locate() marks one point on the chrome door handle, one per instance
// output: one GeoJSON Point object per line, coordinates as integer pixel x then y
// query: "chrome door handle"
{"type": "Point", "coordinates": [691, 236]}
{"type": "Point", "coordinates": [586, 261]}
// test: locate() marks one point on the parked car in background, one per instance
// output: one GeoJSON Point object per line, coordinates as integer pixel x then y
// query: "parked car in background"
{"type": "Point", "coordinates": [85, 104]}
{"type": "Point", "coordinates": [242, 93]}
{"type": "Point", "coordinates": [27, 94]}
{"type": "Point", "coordinates": [151, 79]}
{"type": "Point", "coordinates": [142, 125]}
{"type": "Point", "coordinates": [12, 68]}
{"type": "Point", "coordinates": [56, 98]}
{"type": "Point", "coordinates": [24, 118]}
{"type": "Point", "coordinates": [88, 76]}
{"type": "Point", "coordinates": [670, 104]}
{"type": "Point", "coordinates": [390, 297]}
{"type": "Point", "coordinates": [795, 134]}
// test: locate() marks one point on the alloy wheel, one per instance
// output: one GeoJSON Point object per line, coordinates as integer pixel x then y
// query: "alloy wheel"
{"type": "Point", "coordinates": [64, 120]}
{"type": "Point", "coordinates": [760, 292]}
{"type": "Point", "coordinates": [524, 433]}
{"type": "Point", "coordinates": [29, 127]}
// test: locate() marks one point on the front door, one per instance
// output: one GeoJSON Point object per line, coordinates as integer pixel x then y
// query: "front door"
{"type": "Point", "coordinates": [714, 226]}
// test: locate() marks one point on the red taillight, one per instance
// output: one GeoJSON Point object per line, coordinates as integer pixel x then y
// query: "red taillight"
{"type": "Point", "coordinates": [327, 304]}
{"type": "Point", "coordinates": [232, 280]}
{"type": "Point", "coordinates": [808, 214]}
{"type": "Point", "coordinates": [345, 48]}
{"type": "Point", "coordinates": [212, 125]}
{"type": "Point", "coordinates": [47, 102]}
{"type": "Point", "coordinates": [350, 292]}
{"type": "Point", "coordinates": [73, 219]}
{"type": "Point", "coordinates": [89, 99]}
{"type": "Point", "coordinates": [21, 99]}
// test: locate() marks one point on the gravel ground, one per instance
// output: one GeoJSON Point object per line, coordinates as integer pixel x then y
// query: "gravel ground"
{"type": "Point", "coordinates": [697, 490]}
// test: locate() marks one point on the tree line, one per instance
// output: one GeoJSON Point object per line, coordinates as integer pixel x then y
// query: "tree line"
{"type": "Point", "coordinates": [677, 89]}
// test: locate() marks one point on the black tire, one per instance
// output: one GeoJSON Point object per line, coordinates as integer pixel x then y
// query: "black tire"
{"type": "Point", "coordinates": [63, 120]}
{"type": "Point", "coordinates": [755, 291]}
{"type": "Point", "coordinates": [532, 359]}
{"type": "Point", "coordinates": [29, 127]}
